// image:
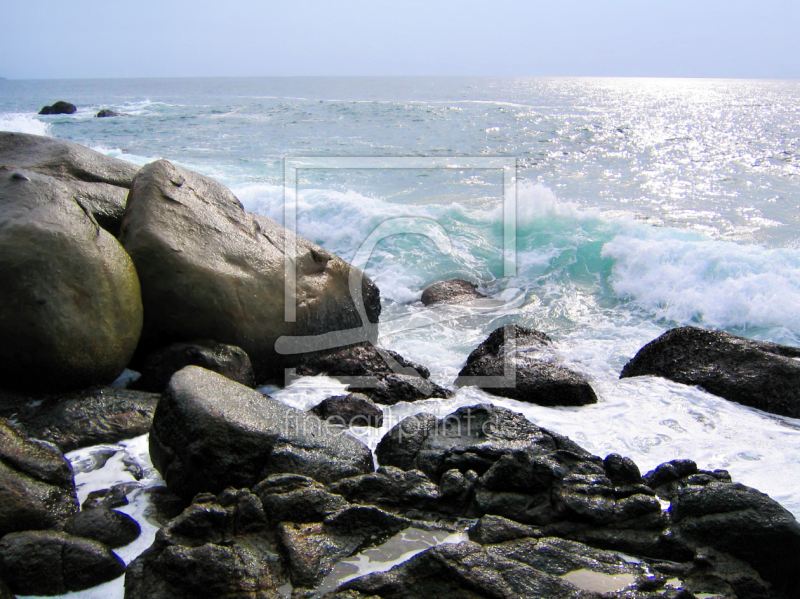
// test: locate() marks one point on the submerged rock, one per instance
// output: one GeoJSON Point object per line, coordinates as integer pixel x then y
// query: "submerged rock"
{"type": "Point", "coordinates": [54, 563]}
{"type": "Point", "coordinates": [384, 376]}
{"type": "Point", "coordinates": [454, 291]}
{"type": "Point", "coordinates": [210, 433]}
{"type": "Point", "coordinates": [70, 311]}
{"type": "Point", "coordinates": [209, 269]}
{"type": "Point", "coordinates": [105, 113]}
{"type": "Point", "coordinates": [60, 107]}
{"type": "Point", "coordinates": [353, 409]}
{"type": "Point", "coordinates": [517, 362]}
{"type": "Point", "coordinates": [754, 373]}
{"type": "Point", "coordinates": [37, 490]}
{"type": "Point", "coordinates": [90, 417]}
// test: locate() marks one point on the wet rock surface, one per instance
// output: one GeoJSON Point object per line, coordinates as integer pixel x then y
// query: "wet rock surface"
{"type": "Point", "coordinates": [110, 527]}
{"type": "Point", "coordinates": [353, 409]}
{"type": "Point", "coordinates": [37, 490]}
{"type": "Point", "coordinates": [60, 107]}
{"type": "Point", "coordinates": [53, 563]}
{"type": "Point", "coordinates": [210, 433]}
{"type": "Point", "coordinates": [83, 418]}
{"type": "Point", "coordinates": [454, 291]}
{"type": "Point", "coordinates": [391, 486]}
{"type": "Point", "coordinates": [522, 365]}
{"type": "Point", "coordinates": [383, 375]}
{"type": "Point", "coordinates": [754, 373]}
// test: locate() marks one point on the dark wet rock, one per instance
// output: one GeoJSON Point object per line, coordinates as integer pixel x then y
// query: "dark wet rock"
{"type": "Point", "coordinates": [70, 311]}
{"type": "Point", "coordinates": [401, 445]}
{"type": "Point", "coordinates": [210, 433]}
{"type": "Point", "coordinates": [668, 478]}
{"type": "Point", "coordinates": [383, 375]}
{"type": "Point", "coordinates": [457, 491]}
{"type": "Point", "coordinates": [227, 360]}
{"type": "Point", "coordinates": [165, 505]}
{"type": "Point", "coordinates": [523, 366]}
{"type": "Point", "coordinates": [622, 471]}
{"type": "Point", "coordinates": [89, 417]}
{"type": "Point", "coordinates": [718, 573]}
{"type": "Point", "coordinates": [313, 549]}
{"type": "Point", "coordinates": [110, 498]}
{"type": "Point", "coordinates": [110, 527]}
{"type": "Point", "coordinates": [218, 547]}
{"type": "Point", "coordinates": [37, 490]}
{"type": "Point", "coordinates": [743, 522]}
{"type": "Point", "coordinates": [390, 486]}
{"type": "Point", "coordinates": [105, 113]}
{"type": "Point", "coordinates": [454, 291]}
{"type": "Point", "coordinates": [209, 269]}
{"type": "Point", "coordinates": [489, 530]}
{"type": "Point", "coordinates": [98, 182]}
{"type": "Point", "coordinates": [5, 592]}
{"type": "Point", "coordinates": [60, 107]}
{"type": "Point", "coordinates": [754, 373]}
{"type": "Point", "coordinates": [53, 563]}
{"type": "Point", "coordinates": [295, 498]}
{"type": "Point", "coordinates": [353, 409]}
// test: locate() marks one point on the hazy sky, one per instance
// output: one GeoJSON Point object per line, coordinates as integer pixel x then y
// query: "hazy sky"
{"type": "Point", "coordinates": [168, 38]}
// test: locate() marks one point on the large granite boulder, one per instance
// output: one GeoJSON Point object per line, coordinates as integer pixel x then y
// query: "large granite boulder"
{"type": "Point", "coordinates": [754, 373]}
{"type": "Point", "coordinates": [37, 490]}
{"type": "Point", "coordinates": [70, 311]}
{"type": "Point", "coordinates": [210, 433]}
{"type": "Point", "coordinates": [99, 183]}
{"type": "Point", "coordinates": [519, 363]}
{"type": "Point", "coordinates": [53, 563]}
{"type": "Point", "coordinates": [209, 269]}
{"type": "Point", "coordinates": [89, 417]}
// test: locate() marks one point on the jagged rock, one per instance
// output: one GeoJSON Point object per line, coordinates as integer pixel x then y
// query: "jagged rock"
{"type": "Point", "coordinates": [522, 366]}
{"type": "Point", "coordinates": [53, 563]}
{"type": "Point", "coordinates": [105, 113]}
{"type": "Point", "coordinates": [70, 311]}
{"type": "Point", "coordinates": [622, 471]}
{"type": "Point", "coordinates": [353, 409]}
{"type": "Point", "coordinates": [313, 549]}
{"type": "Point", "coordinates": [743, 522]}
{"type": "Point", "coordinates": [754, 373]}
{"type": "Point", "coordinates": [669, 477]}
{"type": "Point", "coordinates": [115, 496]}
{"type": "Point", "coordinates": [383, 375]}
{"type": "Point", "coordinates": [299, 499]}
{"type": "Point", "coordinates": [209, 269]}
{"type": "Point", "coordinates": [227, 360]}
{"type": "Point", "coordinates": [210, 433]}
{"type": "Point", "coordinates": [89, 417]}
{"type": "Point", "coordinates": [59, 107]}
{"type": "Point", "coordinates": [391, 486]}
{"type": "Point", "coordinates": [110, 527]}
{"type": "Point", "coordinates": [454, 291]}
{"type": "Point", "coordinates": [98, 182]}
{"type": "Point", "coordinates": [489, 530]}
{"type": "Point", "coordinates": [37, 490]}
{"type": "Point", "coordinates": [218, 547]}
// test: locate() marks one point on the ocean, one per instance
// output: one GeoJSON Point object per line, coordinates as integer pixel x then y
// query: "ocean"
{"type": "Point", "coordinates": [641, 205]}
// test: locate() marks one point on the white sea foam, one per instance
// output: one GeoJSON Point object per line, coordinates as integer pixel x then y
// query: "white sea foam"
{"type": "Point", "coordinates": [23, 123]}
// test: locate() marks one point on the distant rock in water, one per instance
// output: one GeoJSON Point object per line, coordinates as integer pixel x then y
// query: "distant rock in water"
{"type": "Point", "coordinates": [454, 291]}
{"type": "Point", "coordinates": [59, 107]}
{"type": "Point", "coordinates": [758, 374]}
{"type": "Point", "coordinates": [107, 113]}
{"type": "Point", "coordinates": [517, 362]}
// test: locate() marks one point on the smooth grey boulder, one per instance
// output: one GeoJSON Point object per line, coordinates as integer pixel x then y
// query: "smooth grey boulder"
{"type": "Point", "coordinates": [60, 107]}
{"type": "Point", "coordinates": [210, 433]}
{"type": "Point", "coordinates": [70, 311]}
{"type": "Point", "coordinates": [453, 291]}
{"type": "Point", "coordinates": [54, 563]}
{"type": "Point", "coordinates": [519, 363]}
{"type": "Point", "coordinates": [37, 490]}
{"type": "Point", "coordinates": [209, 269]}
{"type": "Point", "coordinates": [753, 373]}
{"type": "Point", "coordinates": [100, 183]}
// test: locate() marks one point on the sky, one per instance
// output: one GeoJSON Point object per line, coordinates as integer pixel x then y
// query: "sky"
{"type": "Point", "coordinates": [180, 38]}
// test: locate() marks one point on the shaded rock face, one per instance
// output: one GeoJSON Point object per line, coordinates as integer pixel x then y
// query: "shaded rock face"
{"type": "Point", "coordinates": [384, 376]}
{"type": "Point", "coordinates": [53, 563]}
{"type": "Point", "coordinates": [209, 269]}
{"type": "Point", "coordinates": [60, 107]}
{"type": "Point", "coordinates": [210, 433]}
{"type": "Point", "coordinates": [521, 363]}
{"type": "Point", "coordinates": [217, 548]}
{"type": "Point", "coordinates": [227, 360]}
{"type": "Point", "coordinates": [70, 312]}
{"type": "Point", "coordinates": [754, 373]}
{"type": "Point", "coordinates": [353, 409]}
{"type": "Point", "coordinates": [110, 527]}
{"type": "Point", "coordinates": [296, 498]}
{"type": "Point", "coordinates": [393, 487]}
{"type": "Point", "coordinates": [98, 182]}
{"type": "Point", "coordinates": [37, 490]}
{"type": "Point", "coordinates": [454, 291]}
{"type": "Point", "coordinates": [90, 417]}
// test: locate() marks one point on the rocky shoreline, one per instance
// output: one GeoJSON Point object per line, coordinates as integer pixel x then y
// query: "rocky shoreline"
{"type": "Point", "coordinates": [161, 270]}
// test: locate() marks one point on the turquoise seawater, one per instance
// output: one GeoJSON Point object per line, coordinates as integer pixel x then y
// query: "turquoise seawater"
{"type": "Point", "coordinates": [642, 204]}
